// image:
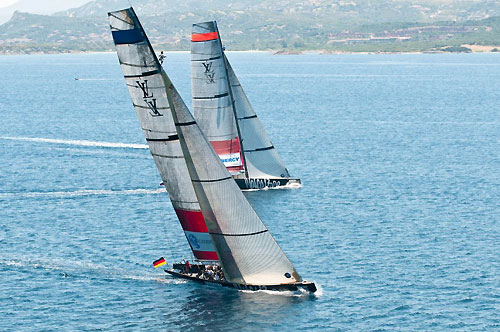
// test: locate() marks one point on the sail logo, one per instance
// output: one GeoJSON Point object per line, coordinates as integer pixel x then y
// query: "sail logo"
{"type": "Point", "coordinates": [231, 159]}
{"type": "Point", "coordinates": [209, 72]}
{"type": "Point", "coordinates": [200, 241]}
{"type": "Point", "coordinates": [194, 241]}
{"type": "Point", "coordinates": [145, 89]}
{"type": "Point", "coordinates": [148, 98]}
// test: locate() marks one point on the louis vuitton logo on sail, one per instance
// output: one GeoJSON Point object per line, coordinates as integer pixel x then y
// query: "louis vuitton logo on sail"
{"type": "Point", "coordinates": [148, 98]}
{"type": "Point", "coordinates": [209, 72]}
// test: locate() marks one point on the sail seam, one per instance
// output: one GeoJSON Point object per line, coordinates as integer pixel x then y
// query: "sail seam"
{"type": "Point", "coordinates": [187, 202]}
{"type": "Point", "coordinates": [217, 57]}
{"type": "Point", "coordinates": [165, 156]}
{"type": "Point", "coordinates": [158, 131]}
{"type": "Point", "coordinates": [247, 234]}
{"type": "Point", "coordinates": [134, 65]}
{"type": "Point", "coordinates": [216, 180]}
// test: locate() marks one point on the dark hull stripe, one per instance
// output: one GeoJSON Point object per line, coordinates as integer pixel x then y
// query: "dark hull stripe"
{"type": "Point", "coordinates": [247, 234]}
{"type": "Point", "coordinates": [214, 97]}
{"type": "Point", "coordinates": [309, 286]}
{"type": "Point", "coordinates": [263, 183]}
{"type": "Point", "coordinates": [170, 138]}
{"type": "Point", "coordinates": [148, 73]}
{"type": "Point", "coordinates": [182, 124]}
{"type": "Point", "coordinates": [216, 180]}
{"type": "Point", "coordinates": [260, 149]}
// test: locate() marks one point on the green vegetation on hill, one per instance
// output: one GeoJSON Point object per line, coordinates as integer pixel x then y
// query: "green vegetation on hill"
{"type": "Point", "coordinates": [351, 26]}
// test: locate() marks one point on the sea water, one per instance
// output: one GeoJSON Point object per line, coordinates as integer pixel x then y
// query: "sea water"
{"type": "Point", "coordinates": [397, 221]}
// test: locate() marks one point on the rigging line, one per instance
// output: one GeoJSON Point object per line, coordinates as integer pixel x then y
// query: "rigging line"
{"type": "Point", "coordinates": [120, 19]}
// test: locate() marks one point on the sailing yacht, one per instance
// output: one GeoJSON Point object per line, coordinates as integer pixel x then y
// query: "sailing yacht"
{"type": "Point", "coordinates": [232, 246]}
{"type": "Point", "coordinates": [225, 115]}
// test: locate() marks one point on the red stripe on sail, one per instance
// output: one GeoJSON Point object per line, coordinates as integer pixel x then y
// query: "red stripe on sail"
{"type": "Point", "coordinates": [204, 36]}
{"type": "Point", "coordinates": [206, 255]}
{"type": "Point", "coordinates": [192, 221]}
{"type": "Point", "coordinates": [226, 147]}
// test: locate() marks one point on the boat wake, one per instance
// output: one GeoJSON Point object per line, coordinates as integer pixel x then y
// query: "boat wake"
{"type": "Point", "coordinates": [77, 142]}
{"type": "Point", "coordinates": [84, 192]}
{"type": "Point", "coordinates": [302, 293]}
{"type": "Point", "coordinates": [82, 269]}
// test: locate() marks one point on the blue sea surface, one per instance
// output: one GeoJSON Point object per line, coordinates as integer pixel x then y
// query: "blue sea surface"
{"type": "Point", "coordinates": [397, 220]}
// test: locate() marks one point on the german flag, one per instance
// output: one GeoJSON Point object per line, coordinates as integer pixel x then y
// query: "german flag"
{"type": "Point", "coordinates": [159, 262]}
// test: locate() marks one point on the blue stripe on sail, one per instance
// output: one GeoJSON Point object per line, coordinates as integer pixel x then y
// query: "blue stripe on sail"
{"type": "Point", "coordinates": [131, 36]}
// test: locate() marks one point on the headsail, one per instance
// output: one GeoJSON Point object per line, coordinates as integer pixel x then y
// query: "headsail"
{"type": "Point", "coordinates": [261, 157]}
{"type": "Point", "coordinates": [248, 252]}
{"type": "Point", "coordinates": [145, 80]}
{"type": "Point", "coordinates": [224, 112]}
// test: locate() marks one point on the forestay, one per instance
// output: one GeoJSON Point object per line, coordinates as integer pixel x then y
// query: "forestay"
{"type": "Point", "coordinates": [145, 80]}
{"type": "Point", "coordinates": [248, 252]}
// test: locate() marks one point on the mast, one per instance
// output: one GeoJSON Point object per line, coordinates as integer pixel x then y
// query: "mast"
{"type": "Point", "coordinates": [232, 103]}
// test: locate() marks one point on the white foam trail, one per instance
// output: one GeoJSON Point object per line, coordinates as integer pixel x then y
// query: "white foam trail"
{"type": "Point", "coordinates": [84, 192]}
{"type": "Point", "coordinates": [77, 142]}
{"type": "Point", "coordinates": [80, 268]}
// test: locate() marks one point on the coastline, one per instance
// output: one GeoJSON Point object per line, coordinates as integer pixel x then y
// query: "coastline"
{"type": "Point", "coordinates": [472, 48]}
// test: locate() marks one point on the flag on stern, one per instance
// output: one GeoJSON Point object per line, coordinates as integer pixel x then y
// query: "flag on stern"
{"type": "Point", "coordinates": [159, 262]}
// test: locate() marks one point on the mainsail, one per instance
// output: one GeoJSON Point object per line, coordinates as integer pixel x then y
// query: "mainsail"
{"type": "Point", "coordinates": [225, 114]}
{"type": "Point", "coordinates": [247, 251]}
{"type": "Point", "coordinates": [145, 80]}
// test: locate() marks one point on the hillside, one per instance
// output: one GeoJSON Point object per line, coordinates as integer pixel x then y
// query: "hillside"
{"type": "Point", "coordinates": [361, 25]}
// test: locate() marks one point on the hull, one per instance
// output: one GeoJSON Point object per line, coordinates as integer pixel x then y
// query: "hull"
{"type": "Point", "coordinates": [255, 183]}
{"type": "Point", "coordinates": [305, 285]}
